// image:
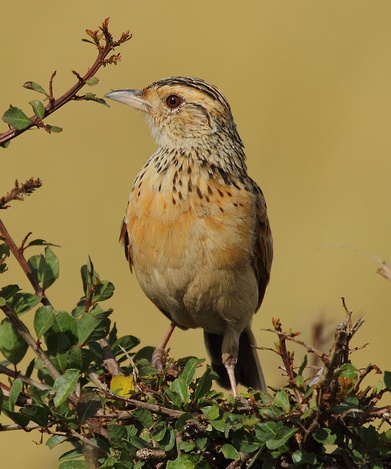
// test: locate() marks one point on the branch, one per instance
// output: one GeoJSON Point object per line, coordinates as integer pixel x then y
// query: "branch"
{"type": "Point", "coordinates": [109, 360]}
{"type": "Point", "coordinates": [145, 405]}
{"type": "Point", "coordinates": [29, 339]}
{"type": "Point", "coordinates": [16, 375]}
{"type": "Point", "coordinates": [100, 61]}
{"type": "Point", "coordinates": [18, 254]}
{"type": "Point", "coordinates": [283, 335]}
{"type": "Point", "coordinates": [19, 191]}
{"type": "Point", "coordinates": [287, 358]}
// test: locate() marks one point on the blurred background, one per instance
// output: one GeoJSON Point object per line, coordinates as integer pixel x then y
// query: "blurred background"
{"type": "Point", "coordinates": [309, 84]}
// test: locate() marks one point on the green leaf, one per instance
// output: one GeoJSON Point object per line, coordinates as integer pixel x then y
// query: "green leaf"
{"type": "Point", "coordinates": [282, 436]}
{"type": "Point", "coordinates": [87, 406]}
{"type": "Point", "coordinates": [93, 97]}
{"type": "Point", "coordinates": [282, 401]}
{"type": "Point", "coordinates": [104, 290]}
{"type": "Point", "coordinates": [325, 436]}
{"type": "Point", "coordinates": [76, 452]}
{"type": "Point", "coordinates": [204, 384]}
{"type": "Point", "coordinates": [180, 387]}
{"type": "Point", "coordinates": [92, 81]}
{"type": "Point", "coordinates": [9, 291]}
{"type": "Point", "coordinates": [350, 403]}
{"type": "Point", "coordinates": [65, 385]}
{"type": "Point", "coordinates": [53, 267]}
{"type": "Point", "coordinates": [188, 461]}
{"type": "Point", "coordinates": [53, 129]}
{"type": "Point", "coordinates": [43, 320]}
{"type": "Point", "coordinates": [56, 440]}
{"type": "Point", "coordinates": [41, 242]}
{"type": "Point", "coordinates": [5, 144]}
{"type": "Point", "coordinates": [71, 358]}
{"type": "Point", "coordinates": [62, 335]}
{"type": "Point", "coordinates": [15, 390]}
{"type": "Point", "coordinates": [347, 370]}
{"type": "Point", "coordinates": [302, 457]}
{"type": "Point", "coordinates": [31, 85]}
{"type": "Point", "coordinates": [211, 412]}
{"type": "Point", "coordinates": [23, 302]}
{"type": "Point", "coordinates": [230, 452]}
{"type": "Point", "coordinates": [39, 415]}
{"type": "Point", "coordinates": [16, 417]}
{"type": "Point", "coordinates": [186, 446]}
{"type": "Point", "coordinates": [167, 443]}
{"type": "Point", "coordinates": [45, 268]}
{"type": "Point", "coordinates": [12, 345]}
{"type": "Point", "coordinates": [159, 431]}
{"type": "Point", "coordinates": [245, 442]}
{"type": "Point", "coordinates": [387, 379]}
{"type": "Point", "coordinates": [127, 342]}
{"type": "Point", "coordinates": [190, 368]}
{"type": "Point", "coordinates": [86, 326]}
{"type": "Point", "coordinates": [144, 416]}
{"type": "Point", "coordinates": [38, 108]}
{"type": "Point", "coordinates": [303, 365]}
{"type": "Point", "coordinates": [16, 118]}
{"type": "Point", "coordinates": [265, 431]}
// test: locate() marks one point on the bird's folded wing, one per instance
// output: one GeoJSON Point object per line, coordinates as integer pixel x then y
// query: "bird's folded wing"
{"type": "Point", "coordinates": [263, 247]}
{"type": "Point", "coordinates": [124, 239]}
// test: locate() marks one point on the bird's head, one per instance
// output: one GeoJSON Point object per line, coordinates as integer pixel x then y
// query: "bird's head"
{"type": "Point", "coordinates": [185, 113]}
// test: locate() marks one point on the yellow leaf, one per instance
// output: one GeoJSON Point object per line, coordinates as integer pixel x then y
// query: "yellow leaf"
{"type": "Point", "coordinates": [122, 385]}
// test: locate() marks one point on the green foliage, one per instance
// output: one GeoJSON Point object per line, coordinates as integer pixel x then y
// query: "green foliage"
{"type": "Point", "coordinates": [176, 419]}
{"type": "Point", "coordinates": [16, 118]}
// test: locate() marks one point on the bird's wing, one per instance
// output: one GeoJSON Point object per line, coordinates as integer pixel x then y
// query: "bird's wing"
{"type": "Point", "coordinates": [124, 239]}
{"type": "Point", "coordinates": [263, 246]}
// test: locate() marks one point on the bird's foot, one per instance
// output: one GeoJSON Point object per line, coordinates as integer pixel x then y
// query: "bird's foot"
{"type": "Point", "coordinates": [229, 364]}
{"type": "Point", "coordinates": [159, 358]}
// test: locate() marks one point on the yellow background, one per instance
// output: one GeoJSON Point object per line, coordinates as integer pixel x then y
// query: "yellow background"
{"type": "Point", "coordinates": [309, 83]}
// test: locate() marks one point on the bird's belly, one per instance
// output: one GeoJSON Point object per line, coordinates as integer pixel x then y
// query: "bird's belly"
{"type": "Point", "coordinates": [193, 260]}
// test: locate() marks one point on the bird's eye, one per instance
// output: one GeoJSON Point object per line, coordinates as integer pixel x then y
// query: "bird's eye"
{"type": "Point", "coordinates": [173, 101]}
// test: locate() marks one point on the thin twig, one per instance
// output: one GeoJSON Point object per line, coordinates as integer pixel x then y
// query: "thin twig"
{"type": "Point", "coordinates": [86, 441]}
{"type": "Point", "coordinates": [16, 375]}
{"type": "Point", "coordinates": [145, 405]}
{"type": "Point", "coordinates": [322, 355]}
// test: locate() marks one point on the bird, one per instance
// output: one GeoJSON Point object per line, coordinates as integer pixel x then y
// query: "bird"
{"type": "Point", "coordinates": [196, 231]}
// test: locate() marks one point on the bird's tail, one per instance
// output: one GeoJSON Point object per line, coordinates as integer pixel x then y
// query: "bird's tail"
{"type": "Point", "coordinates": [248, 369]}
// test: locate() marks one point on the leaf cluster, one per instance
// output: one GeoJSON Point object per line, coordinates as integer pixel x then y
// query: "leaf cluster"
{"type": "Point", "coordinates": [132, 416]}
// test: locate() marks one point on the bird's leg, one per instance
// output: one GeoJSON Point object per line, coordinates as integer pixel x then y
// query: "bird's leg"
{"type": "Point", "coordinates": [158, 354]}
{"type": "Point", "coordinates": [229, 364]}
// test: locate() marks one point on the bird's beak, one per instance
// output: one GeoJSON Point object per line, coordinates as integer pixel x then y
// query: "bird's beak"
{"type": "Point", "coordinates": [131, 98]}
